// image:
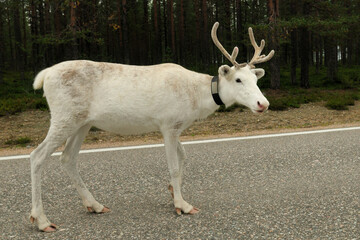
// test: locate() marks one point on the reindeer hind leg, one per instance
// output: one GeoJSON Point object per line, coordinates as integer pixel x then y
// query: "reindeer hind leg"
{"type": "Point", "coordinates": [55, 137]}
{"type": "Point", "coordinates": [69, 162]}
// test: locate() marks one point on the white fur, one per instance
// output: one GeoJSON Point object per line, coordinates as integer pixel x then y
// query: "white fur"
{"type": "Point", "coordinates": [129, 99]}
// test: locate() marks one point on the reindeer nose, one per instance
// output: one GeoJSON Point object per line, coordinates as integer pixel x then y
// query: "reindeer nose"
{"type": "Point", "coordinates": [263, 106]}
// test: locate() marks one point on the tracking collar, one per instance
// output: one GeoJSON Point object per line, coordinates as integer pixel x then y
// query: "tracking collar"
{"type": "Point", "coordinates": [215, 90]}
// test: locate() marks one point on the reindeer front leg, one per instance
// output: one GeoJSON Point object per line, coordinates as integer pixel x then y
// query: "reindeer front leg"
{"type": "Point", "coordinates": [171, 139]}
{"type": "Point", "coordinates": [181, 159]}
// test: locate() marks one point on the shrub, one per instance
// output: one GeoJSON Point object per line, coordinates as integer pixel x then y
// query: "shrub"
{"type": "Point", "coordinates": [19, 104]}
{"type": "Point", "coordinates": [293, 102]}
{"type": "Point", "coordinates": [21, 141]}
{"type": "Point", "coordinates": [10, 106]}
{"type": "Point", "coordinates": [336, 104]}
{"type": "Point", "coordinates": [340, 102]}
{"type": "Point", "coordinates": [278, 104]}
{"type": "Point", "coordinates": [40, 104]}
{"type": "Point", "coordinates": [347, 82]}
{"type": "Point", "coordinates": [231, 108]}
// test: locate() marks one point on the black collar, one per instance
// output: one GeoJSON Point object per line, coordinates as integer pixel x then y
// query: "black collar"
{"type": "Point", "coordinates": [215, 90]}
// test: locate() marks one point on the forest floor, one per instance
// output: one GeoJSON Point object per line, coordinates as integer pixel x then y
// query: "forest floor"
{"type": "Point", "coordinates": [22, 132]}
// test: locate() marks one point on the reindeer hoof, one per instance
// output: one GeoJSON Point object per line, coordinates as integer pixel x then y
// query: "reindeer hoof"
{"type": "Point", "coordinates": [51, 228]}
{"type": "Point", "coordinates": [193, 211]}
{"type": "Point", "coordinates": [105, 210]}
{"type": "Point", "coordinates": [178, 211]}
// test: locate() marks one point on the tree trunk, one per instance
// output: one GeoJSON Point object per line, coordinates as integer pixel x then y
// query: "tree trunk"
{"type": "Point", "coordinates": [120, 32]}
{"type": "Point", "coordinates": [34, 35]}
{"type": "Point", "coordinates": [350, 51]}
{"type": "Point", "coordinates": [317, 59]}
{"type": "Point", "coordinates": [49, 56]}
{"type": "Point", "coordinates": [24, 42]}
{"type": "Point", "coordinates": [294, 56]}
{"type": "Point", "coordinates": [145, 52]}
{"type": "Point", "coordinates": [172, 28]}
{"type": "Point", "coordinates": [157, 45]}
{"type": "Point", "coordinates": [240, 32]}
{"type": "Point", "coordinates": [317, 53]}
{"type": "Point", "coordinates": [304, 46]}
{"type": "Point", "coordinates": [2, 45]}
{"type": "Point", "coordinates": [321, 51]}
{"type": "Point", "coordinates": [227, 24]}
{"type": "Point", "coordinates": [165, 27]}
{"type": "Point", "coordinates": [294, 44]}
{"type": "Point", "coordinates": [18, 56]}
{"type": "Point", "coordinates": [11, 37]}
{"type": "Point", "coordinates": [273, 11]}
{"type": "Point", "coordinates": [182, 34]}
{"type": "Point", "coordinates": [73, 27]}
{"type": "Point", "coordinates": [197, 44]}
{"type": "Point", "coordinates": [42, 46]}
{"type": "Point", "coordinates": [343, 53]}
{"type": "Point", "coordinates": [206, 34]}
{"type": "Point", "coordinates": [304, 78]}
{"type": "Point", "coordinates": [125, 33]}
{"type": "Point", "coordinates": [59, 53]}
{"type": "Point", "coordinates": [331, 55]}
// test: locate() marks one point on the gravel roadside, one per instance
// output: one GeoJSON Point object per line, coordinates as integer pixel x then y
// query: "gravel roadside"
{"type": "Point", "coordinates": [34, 124]}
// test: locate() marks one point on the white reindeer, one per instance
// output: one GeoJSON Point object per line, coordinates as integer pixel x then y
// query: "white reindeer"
{"type": "Point", "coordinates": [128, 99]}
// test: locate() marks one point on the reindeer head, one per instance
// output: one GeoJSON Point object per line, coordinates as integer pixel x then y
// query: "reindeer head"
{"type": "Point", "coordinates": [239, 82]}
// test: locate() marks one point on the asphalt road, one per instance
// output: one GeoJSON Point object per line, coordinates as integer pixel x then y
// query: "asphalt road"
{"type": "Point", "coordinates": [286, 187]}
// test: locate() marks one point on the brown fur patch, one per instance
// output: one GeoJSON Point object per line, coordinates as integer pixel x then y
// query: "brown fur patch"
{"type": "Point", "coordinates": [192, 93]}
{"type": "Point", "coordinates": [82, 115]}
{"type": "Point", "coordinates": [175, 87]}
{"type": "Point", "coordinates": [181, 89]}
{"type": "Point", "coordinates": [69, 76]}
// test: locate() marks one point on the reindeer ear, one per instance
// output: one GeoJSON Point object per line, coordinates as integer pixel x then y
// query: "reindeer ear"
{"type": "Point", "coordinates": [259, 72]}
{"type": "Point", "coordinates": [224, 70]}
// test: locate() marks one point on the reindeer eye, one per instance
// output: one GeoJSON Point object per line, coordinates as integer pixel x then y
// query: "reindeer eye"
{"type": "Point", "coordinates": [238, 80]}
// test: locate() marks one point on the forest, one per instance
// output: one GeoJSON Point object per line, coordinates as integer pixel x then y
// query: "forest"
{"type": "Point", "coordinates": [317, 42]}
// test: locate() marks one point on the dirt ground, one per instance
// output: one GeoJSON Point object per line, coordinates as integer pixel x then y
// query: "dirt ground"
{"type": "Point", "coordinates": [34, 125]}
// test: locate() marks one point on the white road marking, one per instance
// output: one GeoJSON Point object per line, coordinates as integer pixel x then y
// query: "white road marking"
{"type": "Point", "coordinates": [97, 150]}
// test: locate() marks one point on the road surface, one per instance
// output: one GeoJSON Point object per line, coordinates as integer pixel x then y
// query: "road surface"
{"type": "Point", "coordinates": [303, 186]}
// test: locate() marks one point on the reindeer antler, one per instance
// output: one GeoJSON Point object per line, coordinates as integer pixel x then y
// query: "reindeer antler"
{"type": "Point", "coordinates": [217, 43]}
{"type": "Point", "coordinates": [257, 58]}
